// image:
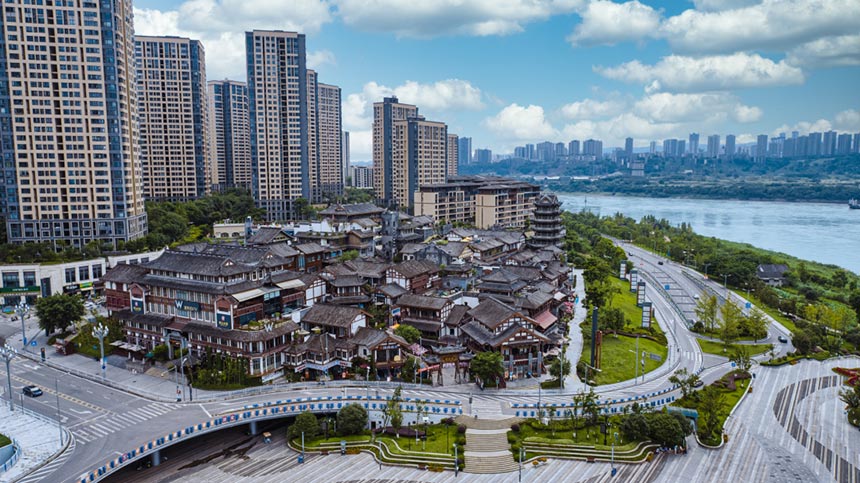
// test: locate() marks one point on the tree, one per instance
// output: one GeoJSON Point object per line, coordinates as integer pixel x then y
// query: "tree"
{"type": "Point", "coordinates": [351, 419]}
{"type": "Point", "coordinates": [802, 341]}
{"type": "Point", "coordinates": [741, 358]}
{"type": "Point", "coordinates": [611, 318]}
{"type": "Point", "coordinates": [589, 405]}
{"type": "Point", "coordinates": [730, 322]}
{"type": "Point", "coordinates": [411, 334]}
{"type": "Point", "coordinates": [711, 404]}
{"type": "Point", "coordinates": [487, 366]}
{"type": "Point", "coordinates": [391, 411]}
{"type": "Point", "coordinates": [348, 255]}
{"type": "Point", "coordinates": [635, 427]}
{"type": "Point", "coordinates": [307, 423]}
{"type": "Point", "coordinates": [755, 324]}
{"type": "Point", "coordinates": [684, 380]}
{"type": "Point", "coordinates": [706, 311]}
{"type": "Point", "coordinates": [59, 311]}
{"type": "Point", "coordinates": [664, 429]}
{"type": "Point", "coordinates": [559, 370]}
{"type": "Point", "coordinates": [686, 424]}
{"type": "Point", "coordinates": [407, 372]}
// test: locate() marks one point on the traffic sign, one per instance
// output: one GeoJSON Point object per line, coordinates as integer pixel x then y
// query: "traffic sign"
{"type": "Point", "coordinates": [666, 287]}
{"type": "Point", "coordinates": [748, 305]}
{"type": "Point", "coordinates": [33, 343]}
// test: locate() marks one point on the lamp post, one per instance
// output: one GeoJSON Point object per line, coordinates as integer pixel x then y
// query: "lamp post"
{"type": "Point", "coordinates": [521, 464]}
{"type": "Point", "coordinates": [22, 310]}
{"type": "Point", "coordinates": [456, 462]}
{"type": "Point", "coordinates": [8, 353]}
{"type": "Point", "coordinates": [726, 284]}
{"type": "Point", "coordinates": [615, 435]}
{"type": "Point", "coordinates": [101, 331]}
{"type": "Point", "coordinates": [706, 269]}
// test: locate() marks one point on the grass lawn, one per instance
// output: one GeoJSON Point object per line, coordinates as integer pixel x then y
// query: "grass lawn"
{"type": "Point", "coordinates": [436, 440]}
{"type": "Point", "coordinates": [730, 398]}
{"type": "Point", "coordinates": [4, 440]}
{"type": "Point", "coordinates": [626, 301]}
{"type": "Point", "coordinates": [716, 348]}
{"type": "Point", "coordinates": [617, 358]}
{"type": "Point", "coordinates": [564, 434]}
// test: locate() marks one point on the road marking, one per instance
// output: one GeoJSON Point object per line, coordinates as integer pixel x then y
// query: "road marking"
{"type": "Point", "coordinates": [205, 411]}
{"type": "Point", "coordinates": [80, 412]}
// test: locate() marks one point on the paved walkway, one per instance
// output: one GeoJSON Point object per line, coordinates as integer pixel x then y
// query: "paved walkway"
{"type": "Point", "coordinates": [37, 436]}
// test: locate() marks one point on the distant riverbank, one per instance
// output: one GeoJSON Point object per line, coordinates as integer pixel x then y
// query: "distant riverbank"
{"type": "Point", "coordinates": [803, 191]}
{"type": "Point", "coordinates": [823, 232]}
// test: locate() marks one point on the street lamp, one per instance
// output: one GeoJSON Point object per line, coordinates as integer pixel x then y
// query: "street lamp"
{"type": "Point", "coordinates": [456, 462]}
{"type": "Point", "coordinates": [101, 331]}
{"type": "Point", "coordinates": [22, 310]}
{"type": "Point", "coordinates": [615, 434]}
{"type": "Point", "coordinates": [8, 353]}
{"type": "Point", "coordinates": [521, 463]}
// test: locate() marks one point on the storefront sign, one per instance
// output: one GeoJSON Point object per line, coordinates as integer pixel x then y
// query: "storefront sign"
{"type": "Point", "coordinates": [225, 321]}
{"type": "Point", "coordinates": [137, 306]}
{"type": "Point", "coordinates": [28, 288]}
{"type": "Point", "coordinates": [186, 305]}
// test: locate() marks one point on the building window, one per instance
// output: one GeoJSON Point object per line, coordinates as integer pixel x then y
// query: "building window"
{"type": "Point", "coordinates": [10, 279]}
{"type": "Point", "coordinates": [97, 271]}
{"type": "Point", "coordinates": [30, 279]}
{"type": "Point", "coordinates": [84, 273]}
{"type": "Point", "coordinates": [70, 275]}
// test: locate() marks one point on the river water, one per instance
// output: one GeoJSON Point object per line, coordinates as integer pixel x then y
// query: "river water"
{"type": "Point", "coordinates": [823, 232]}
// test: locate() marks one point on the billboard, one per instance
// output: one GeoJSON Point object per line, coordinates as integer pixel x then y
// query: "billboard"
{"type": "Point", "coordinates": [634, 279]}
{"type": "Point", "coordinates": [640, 293]}
{"type": "Point", "coordinates": [646, 315]}
{"type": "Point", "coordinates": [622, 270]}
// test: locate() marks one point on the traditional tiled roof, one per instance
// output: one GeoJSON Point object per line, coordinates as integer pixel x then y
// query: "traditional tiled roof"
{"type": "Point", "coordinates": [286, 327]}
{"type": "Point", "coordinates": [482, 336]}
{"type": "Point", "coordinates": [331, 315]}
{"type": "Point", "coordinates": [355, 209]}
{"type": "Point", "coordinates": [429, 326]}
{"type": "Point", "coordinates": [771, 271]}
{"type": "Point", "coordinates": [422, 301]}
{"type": "Point", "coordinates": [310, 248]}
{"type": "Point", "coordinates": [491, 312]}
{"type": "Point", "coordinates": [124, 273]}
{"type": "Point", "coordinates": [265, 235]}
{"type": "Point", "coordinates": [414, 268]}
{"type": "Point", "coordinates": [368, 337]}
{"type": "Point", "coordinates": [458, 313]}
{"type": "Point", "coordinates": [392, 290]}
{"type": "Point", "coordinates": [412, 248]}
{"type": "Point", "coordinates": [346, 281]}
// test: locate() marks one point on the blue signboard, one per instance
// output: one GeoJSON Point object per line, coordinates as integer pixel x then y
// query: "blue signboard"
{"type": "Point", "coordinates": [137, 306]}
{"type": "Point", "coordinates": [666, 287]}
{"type": "Point", "coordinates": [33, 343]}
{"type": "Point", "coordinates": [186, 305]}
{"type": "Point", "coordinates": [748, 305]}
{"type": "Point", "coordinates": [224, 321]}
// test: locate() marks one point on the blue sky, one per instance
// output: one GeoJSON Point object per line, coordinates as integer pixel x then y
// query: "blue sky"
{"type": "Point", "coordinates": [508, 72]}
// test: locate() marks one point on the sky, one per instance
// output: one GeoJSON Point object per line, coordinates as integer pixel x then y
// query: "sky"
{"type": "Point", "coordinates": [510, 72]}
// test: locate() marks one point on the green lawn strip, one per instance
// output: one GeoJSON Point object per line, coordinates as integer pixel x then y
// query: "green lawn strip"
{"type": "Point", "coordinates": [543, 441]}
{"type": "Point", "coordinates": [731, 400]}
{"type": "Point", "coordinates": [779, 361]}
{"type": "Point", "coordinates": [618, 358]}
{"type": "Point", "coordinates": [716, 348]}
{"type": "Point", "coordinates": [626, 301]}
{"type": "Point", "coordinates": [436, 441]}
{"type": "Point", "coordinates": [4, 440]}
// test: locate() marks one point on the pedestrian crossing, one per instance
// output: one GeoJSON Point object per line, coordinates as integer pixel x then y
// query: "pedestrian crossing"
{"type": "Point", "coordinates": [42, 473]}
{"type": "Point", "coordinates": [104, 425]}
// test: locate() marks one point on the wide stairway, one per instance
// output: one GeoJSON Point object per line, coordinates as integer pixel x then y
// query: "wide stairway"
{"type": "Point", "coordinates": [488, 451]}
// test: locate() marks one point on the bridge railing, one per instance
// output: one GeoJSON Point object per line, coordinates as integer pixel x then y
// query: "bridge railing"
{"type": "Point", "coordinates": [261, 412]}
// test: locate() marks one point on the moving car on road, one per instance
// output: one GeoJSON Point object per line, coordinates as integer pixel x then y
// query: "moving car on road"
{"type": "Point", "coordinates": [32, 391]}
{"type": "Point", "coordinates": [783, 339]}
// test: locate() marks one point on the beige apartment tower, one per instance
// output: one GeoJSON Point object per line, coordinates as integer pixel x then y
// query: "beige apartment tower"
{"type": "Point", "coordinates": [174, 119]}
{"type": "Point", "coordinates": [330, 171]}
{"type": "Point", "coordinates": [419, 157]}
{"type": "Point", "coordinates": [69, 139]}
{"type": "Point", "coordinates": [230, 134]}
{"type": "Point", "coordinates": [385, 113]}
{"type": "Point", "coordinates": [278, 107]}
{"type": "Point", "coordinates": [453, 154]}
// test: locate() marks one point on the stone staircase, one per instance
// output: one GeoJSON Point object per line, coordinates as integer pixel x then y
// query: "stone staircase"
{"type": "Point", "coordinates": [488, 451]}
{"type": "Point", "coordinates": [475, 423]}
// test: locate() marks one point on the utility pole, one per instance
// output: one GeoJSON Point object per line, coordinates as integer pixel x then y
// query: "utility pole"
{"type": "Point", "coordinates": [59, 421]}
{"type": "Point", "coordinates": [22, 310]}
{"type": "Point", "coordinates": [8, 353]}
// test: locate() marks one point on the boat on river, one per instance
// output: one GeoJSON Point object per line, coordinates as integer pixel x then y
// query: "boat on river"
{"type": "Point", "coordinates": [854, 204]}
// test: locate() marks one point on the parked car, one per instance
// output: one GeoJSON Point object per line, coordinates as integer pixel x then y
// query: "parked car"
{"type": "Point", "coordinates": [660, 262]}
{"type": "Point", "coordinates": [32, 391]}
{"type": "Point", "coordinates": [783, 339]}
{"type": "Point", "coordinates": [699, 383]}
{"type": "Point", "coordinates": [696, 296]}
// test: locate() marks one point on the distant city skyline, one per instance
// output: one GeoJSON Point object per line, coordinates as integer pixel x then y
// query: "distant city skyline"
{"type": "Point", "coordinates": [648, 70]}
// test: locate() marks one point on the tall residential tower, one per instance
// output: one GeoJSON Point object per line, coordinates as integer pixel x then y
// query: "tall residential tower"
{"type": "Point", "coordinates": [230, 133]}
{"type": "Point", "coordinates": [385, 114]}
{"type": "Point", "coordinates": [174, 119]}
{"type": "Point", "coordinates": [69, 139]}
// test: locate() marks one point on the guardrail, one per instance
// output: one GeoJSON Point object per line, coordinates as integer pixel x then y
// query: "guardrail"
{"type": "Point", "coordinates": [654, 282]}
{"type": "Point", "coordinates": [260, 412]}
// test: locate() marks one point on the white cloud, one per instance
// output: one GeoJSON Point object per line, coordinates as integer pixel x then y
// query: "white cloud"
{"type": "Point", "coordinates": [449, 17]}
{"type": "Point", "coordinates": [848, 120]}
{"type": "Point", "coordinates": [772, 25]}
{"type": "Point", "coordinates": [591, 109]}
{"type": "Point", "coordinates": [221, 24]}
{"type": "Point", "coordinates": [361, 145]}
{"type": "Point", "coordinates": [521, 123]}
{"type": "Point", "coordinates": [837, 51]}
{"type": "Point", "coordinates": [319, 58]}
{"type": "Point", "coordinates": [716, 5]}
{"type": "Point", "coordinates": [721, 72]}
{"type": "Point", "coordinates": [608, 23]}
{"type": "Point", "coordinates": [712, 107]}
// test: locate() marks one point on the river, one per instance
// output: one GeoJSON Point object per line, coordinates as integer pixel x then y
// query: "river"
{"type": "Point", "coordinates": [823, 232]}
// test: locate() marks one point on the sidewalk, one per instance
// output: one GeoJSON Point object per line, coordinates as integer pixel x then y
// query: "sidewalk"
{"type": "Point", "coordinates": [37, 437]}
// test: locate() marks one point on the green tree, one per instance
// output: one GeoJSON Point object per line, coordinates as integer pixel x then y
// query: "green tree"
{"type": "Point", "coordinates": [706, 311]}
{"type": "Point", "coordinates": [391, 413]}
{"type": "Point", "coordinates": [558, 370]}
{"type": "Point", "coordinates": [664, 429]}
{"type": "Point", "coordinates": [351, 419]}
{"type": "Point", "coordinates": [411, 334]}
{"type": "Point", "coordinates": [684, 380]}
{"type": "Point", "coordinates": [802, 341]}
{"type": "Point", "coordinates": [58, 311]}
{"type": "Point", "coordinates": [634, 427]}
{"type": "Point", "coordinates": [590, 407]}
{"type": "Point", "coordinates": [487, 366]}
{"type": "Point", "coordinates": [755, 324]}
{"type": "Point", "coordinates": [730, 322]}
{"type": "Point", "coordinates": [611, 319]}
{"type": "Point", "coordinates": [348, 255]}
{"type": "Point", "coordinates": [407, 372]}
{"type": "Point", "coordinates": [711, 403]}
{"type": "Point", "coordinates": [307, 423]}
{"type": "Point", "coordinates": [741, 358]}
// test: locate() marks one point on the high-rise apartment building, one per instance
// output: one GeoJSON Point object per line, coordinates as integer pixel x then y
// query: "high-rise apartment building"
{"type": "Point", "coordinates": [520, 152]}
{"type": "Point", "coordinates": [593, 147]}
{"type": "Point", "coordinates": [420, 156]}
{"type": "Point", "coordinates": [453, 154]}
{"type": "Point", "coordinates": [545, 151]}
{"type": "Point", "coordinates": [813, 144]}
{"type": "Point", "coordinates": [465, 150]}
{"type": "Point", "coordinates": [652, 148]}
{"type": "Point", "coordinates": [713, 146]}
{"type": "Point", "coordinates": [730, 146]}
{"type": "Point", "coordinates": [843, 144]}
{"type": "Point", "coordinates": [385, 114]}
{"type": "Point", "coordinates": [344, 153]}
{"type": "Point", "coordinates": [573, 148]}
{"type": "Point", "coordinates": [856, 148]}
{"type": "Point", "coordinates": [174, 118]}
{"type": "Point", "coordinates": [694, 143]}
{"type": "Point", "coordinates": [828, 146]}
{"type": "Point", "coordinates": [560, 150]}
{"type": "Point", "coordinates": [761, 147]}
{"type": "Point", "coordinates": [69, 138]}
{"type": "Point", "coordinates": [362, 176]}
{"type": "Point", "coordinates": [328, 168]}
{"type": "Point", "coordinates": [230, 134]}
{"type": "Point", "coordinates": [278, 106]}
{"type": "Point", "coordinates": [485, 155]}
{"type": "Point", "coordinates": [530, 151]}
{"type": "Point", "coordinates": [628, 148]}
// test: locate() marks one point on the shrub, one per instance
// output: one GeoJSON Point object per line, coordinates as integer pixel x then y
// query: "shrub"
{"type": "Point", "coordinates": [512, 438]}
{"type": "Point", "coordinates": [515, 448]}
{"type": "Point", "coordinates": [448, 421]}
{"type": "Point", "coordinates": [351, 419]}
{"type": "Point", "coordinates": [461, 440]}
{"type": "Point", "coordinates": [461, 429]}
{"type": "Point", "coordinates": [515, 427]}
